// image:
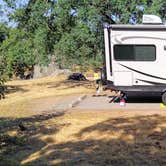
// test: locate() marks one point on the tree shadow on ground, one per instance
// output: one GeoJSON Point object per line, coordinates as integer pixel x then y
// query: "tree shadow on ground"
{"type": "Point", "coordinates": [72, 84]}
{"type": "Point", "coordinates": [12, 89]}
{"type": "Point", "coordinates": [61, 85]}
{"type": "Point", "coordinates": [134, 141]}
{"type": "Point", "coordinates": [19, 137]}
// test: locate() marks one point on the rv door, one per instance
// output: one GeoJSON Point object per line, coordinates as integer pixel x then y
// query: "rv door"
{"type": "Point", "coordinates": [108, 58]}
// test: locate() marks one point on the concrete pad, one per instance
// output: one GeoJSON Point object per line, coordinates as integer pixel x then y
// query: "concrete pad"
{"type": "Point", "coordinates": [102, 103]}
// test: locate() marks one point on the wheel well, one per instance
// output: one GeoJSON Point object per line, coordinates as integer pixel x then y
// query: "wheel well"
{"type": "Point", "coordinates": [163, 91]}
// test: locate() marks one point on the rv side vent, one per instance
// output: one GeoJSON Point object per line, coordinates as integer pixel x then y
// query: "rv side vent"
{"type": "Point", "coordinates": [151, 19]}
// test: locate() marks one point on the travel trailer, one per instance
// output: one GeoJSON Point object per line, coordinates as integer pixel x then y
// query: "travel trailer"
{"type": "Point", "coordinates": [135, 57]}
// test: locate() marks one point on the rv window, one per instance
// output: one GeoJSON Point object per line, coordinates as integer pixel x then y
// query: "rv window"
{"type": "Point", "coordinates": [135, 52]}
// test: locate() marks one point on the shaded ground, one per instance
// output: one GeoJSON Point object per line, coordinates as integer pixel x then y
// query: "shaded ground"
{"type": "Point", "coordinates": [85, 139]}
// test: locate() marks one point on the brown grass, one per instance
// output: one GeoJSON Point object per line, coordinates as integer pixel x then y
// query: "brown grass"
{"type": "Point", "coordinates": [88, 139]}
{"type": "Point", "coordinates": [72, 139]}
{"type": "Point", "coordinates": [22, 92]}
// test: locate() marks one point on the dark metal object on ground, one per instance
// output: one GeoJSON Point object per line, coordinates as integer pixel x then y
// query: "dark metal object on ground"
{"type": "Point", "coordinates": [119, 97]}
{"type": "Point", "coordinates": [22, 127]}
{"type": "Point", "coordinates": [77, 77]}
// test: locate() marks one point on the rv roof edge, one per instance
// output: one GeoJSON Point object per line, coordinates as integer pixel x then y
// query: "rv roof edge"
{"type": "Point", "coordinates": [138, 26]}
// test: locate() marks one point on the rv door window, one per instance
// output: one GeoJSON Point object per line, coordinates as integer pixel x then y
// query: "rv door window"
{"type": "Point", "coordinates": [135, 52]}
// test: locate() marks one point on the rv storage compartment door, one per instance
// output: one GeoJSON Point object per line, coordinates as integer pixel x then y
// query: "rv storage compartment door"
{"type": "Point", "coordinates": [123, 78]}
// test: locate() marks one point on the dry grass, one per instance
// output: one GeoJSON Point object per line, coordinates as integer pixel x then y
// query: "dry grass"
{"type": "Point", "coordinates": [88, 139]}
{"type": "Point", "coordinates": [72, 139]}
{"type": "Point", "coordinates": [22, 93]}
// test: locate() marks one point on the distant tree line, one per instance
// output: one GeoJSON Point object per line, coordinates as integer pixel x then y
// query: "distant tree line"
{"type": "Point", "coordinates": [71, 31]}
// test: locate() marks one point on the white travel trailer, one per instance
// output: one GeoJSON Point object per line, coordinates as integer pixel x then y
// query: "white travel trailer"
{"type": "Point", "coordinates": [135, 56]}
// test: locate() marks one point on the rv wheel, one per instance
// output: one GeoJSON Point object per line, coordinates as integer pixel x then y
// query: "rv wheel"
{"type": "Point", "coordinates": [164, 98]}
{"type": "Point", "coordinates": [103, 77]}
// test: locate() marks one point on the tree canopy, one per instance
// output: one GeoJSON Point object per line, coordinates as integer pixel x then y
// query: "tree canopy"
{"type": "Point", "coordinates": [71, 31]}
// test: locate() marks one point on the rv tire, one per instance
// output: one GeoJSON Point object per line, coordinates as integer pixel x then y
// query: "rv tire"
{"type": "Point", "coordinates": [103, 77]}
{"type": "Point", "coordinates": [164, 98]}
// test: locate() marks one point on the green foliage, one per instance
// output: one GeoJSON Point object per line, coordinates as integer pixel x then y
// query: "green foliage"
{"type": "Point", "coordinates": [32, 40]}
{"type": "Point", "coordinates": [71, 29]}
{"type": "Point", "coordinates": [41, 51]}
{"type": "Point", "coordinates": [16, 49]}
{"type": "Point", "coordinates": [78, 46]}
{"type": "Point", "coordinates": [3, 36]}
{"type": "Point", "coordinates": [81, 40]}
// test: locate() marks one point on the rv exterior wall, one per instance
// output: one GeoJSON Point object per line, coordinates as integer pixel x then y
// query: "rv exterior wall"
{"type": "Point", "coordinates": [108, 53]}
{"type": "Point", "coordinates": [142, 40]}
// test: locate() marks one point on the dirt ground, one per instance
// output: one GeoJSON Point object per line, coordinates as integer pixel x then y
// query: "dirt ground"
{"type": "Point", "coordinates": [75, 137]}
